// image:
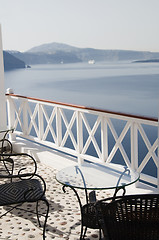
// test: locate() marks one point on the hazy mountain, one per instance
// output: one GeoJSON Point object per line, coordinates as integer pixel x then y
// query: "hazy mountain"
{"type": "Point", "coordinates": [47, 58]}
{"type": "Point", "coordinates": [52, 48]}
{"type": "Point", "coordinates": [63, 53]}
{"type": "Point", "coordinates": [97, 54]}
{"type": "Point", "coordinates": [11, 62]}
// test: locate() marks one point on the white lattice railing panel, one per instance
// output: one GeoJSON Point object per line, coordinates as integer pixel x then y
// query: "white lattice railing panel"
{"type": "Point", "coordinates": [91, 135]}
{"type": "Point", "coordinates": [18, 107]}
{"type": "Point", "coordinates": [118, 142]}
{"type": "Point", "coordinates": [32, 127]}
{"type": "Point", "coordinates": [67, 129]}
{"type": "Point", "coordinates": [88, 134]}
{"type": "Point", "coordinates": [47, 125]}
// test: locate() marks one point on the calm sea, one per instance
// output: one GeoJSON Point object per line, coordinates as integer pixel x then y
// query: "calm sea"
{"type": "Point", "coordinates": [118, 86]}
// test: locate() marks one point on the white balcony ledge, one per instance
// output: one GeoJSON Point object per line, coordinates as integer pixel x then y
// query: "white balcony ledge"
{"type": "Point", "coordinates": [42, 154]}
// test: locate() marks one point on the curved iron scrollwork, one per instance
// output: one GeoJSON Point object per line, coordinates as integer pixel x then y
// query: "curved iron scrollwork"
{"type": "Point", "coordinates": [6, 146]}
{"type": "Point", "coordinates": [84, 183]}
{"type": "Point", "coordinates": [117, 188]}
{"type": "Point", "coordinates": [9, 157]}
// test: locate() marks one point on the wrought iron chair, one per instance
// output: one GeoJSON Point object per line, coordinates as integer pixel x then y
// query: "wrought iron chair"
{"type": "Point", "coordinates": [6, 147]}
{"type": "Point", "coordinates": [88, 211]}
{"type": "Point", "coordinates": [5, 144]}
{"type": "Point", "coordinates": [134, 217]}
{"type": "Point", "coordinates": [24, 185]}
{"type": "Point", "coordinates": [89, 218]}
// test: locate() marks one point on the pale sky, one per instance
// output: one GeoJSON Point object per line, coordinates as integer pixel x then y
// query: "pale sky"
{"type": "Point", "coordinates": [102, 24]}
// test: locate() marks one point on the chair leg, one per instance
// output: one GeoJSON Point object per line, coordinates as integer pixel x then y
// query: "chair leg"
{"type": "Point", "coordinates": [46, 216]}
{"type": "Point", "coordinates": [83, 234]}
{"type": "Point", "coordinates": [100, 234]}
{"type": "Point", "coordinates": [37, 213]}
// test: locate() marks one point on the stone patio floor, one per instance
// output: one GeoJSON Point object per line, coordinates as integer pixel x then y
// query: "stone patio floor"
{"type": "Point", "coordinates": [64, 215]}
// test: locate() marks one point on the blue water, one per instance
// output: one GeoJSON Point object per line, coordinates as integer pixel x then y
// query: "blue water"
{"type": "Point", "coordinates": [118, 86]}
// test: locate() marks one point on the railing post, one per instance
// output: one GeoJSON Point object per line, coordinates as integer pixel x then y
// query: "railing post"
{"type": "Point", "coordinates": [58, 126]}
{"type": "Point", "coordinates": [40, 122]}
{"type": "Point", "coordinates": [134, 147]}
{"type": "Point", "coordinates": [25, 117]}
{"type": "Point", "coordinates": [104, 139]}
{"type": "Point", "coordinates": [11, 114]}
{"type": "Point", "coordinates": [79, 137]}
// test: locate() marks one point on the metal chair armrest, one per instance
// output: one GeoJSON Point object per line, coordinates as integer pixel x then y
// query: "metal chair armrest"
{"type": "Point", "coordinates": [20, 176]}
{"type": "Point", "coordinates": [10, 158]}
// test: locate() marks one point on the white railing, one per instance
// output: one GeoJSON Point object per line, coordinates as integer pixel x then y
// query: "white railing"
{"type": "Point", "coordinates": [88, 134]}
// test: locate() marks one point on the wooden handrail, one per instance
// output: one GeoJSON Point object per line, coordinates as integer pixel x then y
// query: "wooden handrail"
{"type": "Point", "coordinates": [87, 108]}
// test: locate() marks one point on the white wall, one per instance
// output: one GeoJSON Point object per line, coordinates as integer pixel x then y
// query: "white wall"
{"type": "Point", "coordinates": [3, 122]}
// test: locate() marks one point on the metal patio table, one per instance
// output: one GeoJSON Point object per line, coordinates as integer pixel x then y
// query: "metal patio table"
{"type": "Point", "coordinates": [93, 176]}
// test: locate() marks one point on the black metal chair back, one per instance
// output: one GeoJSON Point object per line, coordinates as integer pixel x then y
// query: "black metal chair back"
{"type": "Point", "coordinates": [134, 217]}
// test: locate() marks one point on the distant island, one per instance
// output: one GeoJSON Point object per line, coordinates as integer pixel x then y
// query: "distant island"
{"type": "Point", "coordinates": [147, 61]}
{"type": "Point", "coordinates": [11, 62]}
{"type": "Point", "coordinates": [59, 53]}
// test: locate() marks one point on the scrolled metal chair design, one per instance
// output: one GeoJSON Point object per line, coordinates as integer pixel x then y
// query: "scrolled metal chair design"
{"type": "Point", "coordinates": [24, 185]}
{"type": "Point", "coordinates": [133, 217]}
{"type": "Point", "coordinates": [6, 147]}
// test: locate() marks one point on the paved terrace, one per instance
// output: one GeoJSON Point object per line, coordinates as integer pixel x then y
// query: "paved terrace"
{"type": "Point", "coordinates": [64, 216]}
